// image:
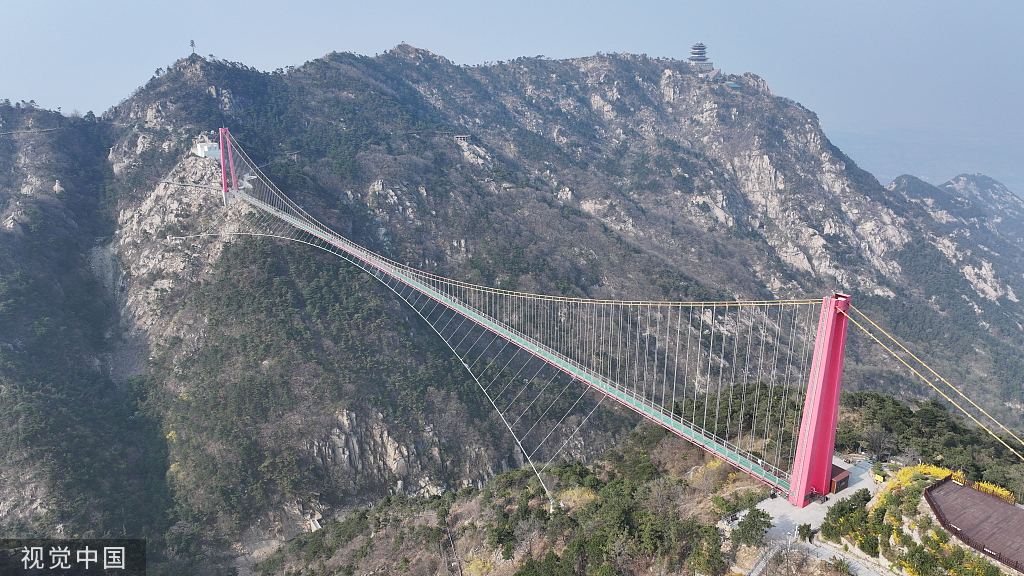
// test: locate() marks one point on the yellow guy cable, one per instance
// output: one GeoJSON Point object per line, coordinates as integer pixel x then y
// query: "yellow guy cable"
{"type": "Point", "coordinates": [934, 387]}
{"type": "Point", "coordinates": [937, 375]}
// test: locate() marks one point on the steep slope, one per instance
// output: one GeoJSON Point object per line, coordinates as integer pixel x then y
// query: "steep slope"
{"type": "Point", "coordinates": [76, 456]}
{"type": "Point", "coordinates": [288, 387]}
{"type": "Point", "coordinates": [966, 263]}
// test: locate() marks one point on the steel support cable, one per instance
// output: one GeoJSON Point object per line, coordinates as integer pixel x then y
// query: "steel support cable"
{"type": "Point", "coordinates": [454, 315]}
{"type": "Point", "coordinates": [605, 339]}
{"type": "Point", "coordinates": [760, 373]}
{"type": "Point", "coordinates": [477, 341]}
{"type": "Point", "coordinates": [548, 409]}
{"type": "Point", "coordinates": [584, 357]}
{"type": "Point", "coordinates": [587, 337]}
{"type": "Point", "coordinates": [516, 438]}
{"type": "Point", "coordinates": [803, 381]}
{"type": "Point", "coordinates": [769, 384]}
{"type": "Point", "coordinates": [565, 327]}
{"type": "Point", "coordinates": [721, 373]}
{"type": "Point", "coordinates": [786, 387]}
{"type": "Point", "coordinates": [566, 319]}
{"type": "Point", "coordinates": [299, 211]}
{"type": "Point", "coordinates": [711, 366]}
{"type": "Point", "coordinates": [707, 379]}
{"type": "Point", "coordinates": [496, 356]}
{"type": "Point", "coordinates": [466, 335]}
{"type": "Point", "coordinates": [528, 381]}
{"type": "Point", "coordinates": [735, 365]}
{"type": "Point", "coordinates": [573, 434]}
{"type": "Point", "coordinates": [432, 309]}
{"type": "Point", "coordinates": [660, 356]}
{"type": "Point", "coordinates": [514, 354]}
{"type": "Point", "coordinates": [549, 328]}
{"type": "Point", "coordinates": [636, 363]}
{"type": "Point", "coordinates": [595, 339]}
{"type": "Point", "coordinates": [932, 385]}
{"type": "Point", "coordinates": [458, 327]}
{"type": "Point", "coordinates": [664, 371]}
{"type": "Point", "coordinates": [746, 379]}
{"type": "Point", "coordinates": [619, 363]}
{"type": "Point", "coordinates": [936, 374]}
{"type": "Point", "coordinates": [697, 365]}
{"type": "Point", "coordinates": [780, 380]}
{"type": "Point", "coordinates": [444, 310]}
{"type": "Point", "coordinates": [363, 266]}
{"type": "Point", "coordinates": [535, 398]}
{"type": "Point", "coordinates": [570, 329]}
{"type": "Point", "coordinates": [560, 420]}
{"type": "Point", "coordinates": [654, 340]}
{"type": "Point", "coordinates": [675, 364]}
{"type": "Point", "coordinates": [419, 296]}
{"type": "Point", "coordinates": [459, 291]}
{"type": "Point", "coordinates": [721, 369]}
{"type": "Point", "coordinates": [772, 381]}
{"type": "Point", "coordinates": [530, 320]}
{"type": "Point", "coordinates": [647, 344]}
{"type": "Point", "coordinates": [526, 363]}
{"type": "Point", "coordinates": [611, 338]}
{"type": "Point", "coordinates": [686, 363]}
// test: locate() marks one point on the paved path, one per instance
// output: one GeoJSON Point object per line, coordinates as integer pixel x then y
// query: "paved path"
{"type": "Point", "coordinates": [786, 517]}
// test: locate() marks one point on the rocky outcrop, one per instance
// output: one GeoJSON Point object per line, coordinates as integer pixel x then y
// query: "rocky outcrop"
{"type": "Point", "coordinates": [354, 448]}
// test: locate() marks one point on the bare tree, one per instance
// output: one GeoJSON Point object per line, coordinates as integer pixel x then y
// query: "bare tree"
{"type": "Point", "coordinates": [789, 561]}
{"type": "Point", "coordinates": [879, 442]}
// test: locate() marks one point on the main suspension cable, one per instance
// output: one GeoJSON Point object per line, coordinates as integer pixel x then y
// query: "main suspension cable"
{"type": "Point", "coordinates": [927, 381]}
{"type": "Point", "coordinates": [936, 374]}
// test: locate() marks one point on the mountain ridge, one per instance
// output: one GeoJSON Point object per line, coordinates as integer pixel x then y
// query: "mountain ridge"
{"type": "Point", "coordinates": [287, 388]}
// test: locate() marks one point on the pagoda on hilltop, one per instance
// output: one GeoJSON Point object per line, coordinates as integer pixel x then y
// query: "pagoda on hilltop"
{"type": "Point", "coordinates": [699, 58]}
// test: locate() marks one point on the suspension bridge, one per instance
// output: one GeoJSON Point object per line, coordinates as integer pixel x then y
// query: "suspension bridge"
{"type": "Point", "coordinates": [755, 383]}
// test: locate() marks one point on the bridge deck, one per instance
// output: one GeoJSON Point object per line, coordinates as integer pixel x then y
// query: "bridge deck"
{"type": "Point", "coordinates": [657, 414]}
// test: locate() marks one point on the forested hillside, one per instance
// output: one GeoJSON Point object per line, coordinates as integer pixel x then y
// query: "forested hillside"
{"type": "Point", "coordinates": [226, 394]}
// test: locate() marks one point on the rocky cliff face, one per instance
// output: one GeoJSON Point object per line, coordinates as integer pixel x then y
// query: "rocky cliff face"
{"type": "Point", "coordinates": [283, 387]}
{"type": "Point", "coordinates": [77, 458]}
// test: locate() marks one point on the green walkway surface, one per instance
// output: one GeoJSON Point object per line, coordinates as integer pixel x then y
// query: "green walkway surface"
{"type": "Point", "coordinates": [655, 413]}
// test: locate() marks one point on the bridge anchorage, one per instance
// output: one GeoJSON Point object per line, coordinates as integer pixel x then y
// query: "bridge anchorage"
{"type": "Point", "coordinates": [754, 383]}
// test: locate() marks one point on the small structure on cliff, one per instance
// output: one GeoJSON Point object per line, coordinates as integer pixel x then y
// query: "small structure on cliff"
{"type": "Point", "coordinates": [203, 148]}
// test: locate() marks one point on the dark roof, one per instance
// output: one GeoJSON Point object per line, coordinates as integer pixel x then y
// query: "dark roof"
{"type": "Point", "coordinates": [839, 473]}
{"type": "Point", "coordinates": [983, 518]}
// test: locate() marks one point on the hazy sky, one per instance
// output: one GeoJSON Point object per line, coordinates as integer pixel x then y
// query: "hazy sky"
{"type": "Point", "coordinates": [932, 88]}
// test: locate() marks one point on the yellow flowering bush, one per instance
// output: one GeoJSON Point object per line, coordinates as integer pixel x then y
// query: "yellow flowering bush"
{"type": "Point", "coordinates": [997, 491]}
